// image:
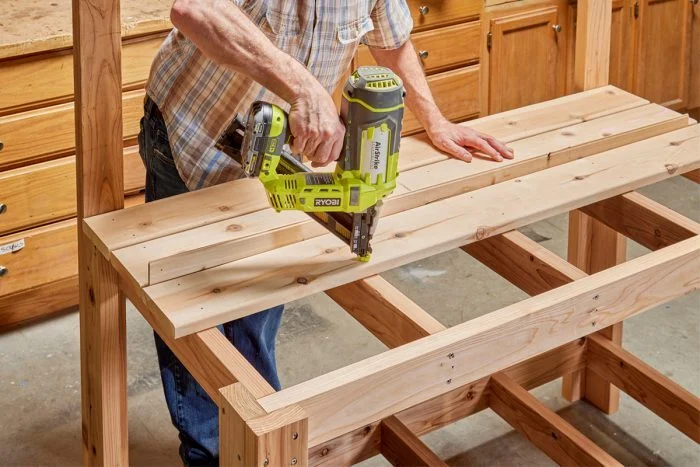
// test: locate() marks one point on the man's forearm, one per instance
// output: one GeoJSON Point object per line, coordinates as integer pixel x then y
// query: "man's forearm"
{"type": "Point", "coordinates": [404, 62]}
{"type": "Point", "coordinates": [227, 36]}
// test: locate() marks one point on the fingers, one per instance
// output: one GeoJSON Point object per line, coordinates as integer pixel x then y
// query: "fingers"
{"type": "Point", "coordinates": [457, 151]}
{"type": "Point", "coordinates": [481, 145]}
{"type": "Point", "coordinates": [502, 149]}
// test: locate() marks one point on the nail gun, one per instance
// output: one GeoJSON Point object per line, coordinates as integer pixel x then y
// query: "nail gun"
{"type": "Point", "coordinates": [345, 201]}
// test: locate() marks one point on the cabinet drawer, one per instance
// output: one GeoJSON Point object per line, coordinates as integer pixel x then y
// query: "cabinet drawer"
{"type": "Point", "coordinates": [49, 254]}
{"type": "Point", "coordinates": [456, 93]}
{"type": "Point", "coordinates": [440, 49]}
{"type": "Point", "coordinates": [45, 192]}
{"type": "Point", "coordinates": [47, 79]}
{"type": "Point", "coordinates": [433, 13]}
{"type": "Point", "coordinates": [50, 132]}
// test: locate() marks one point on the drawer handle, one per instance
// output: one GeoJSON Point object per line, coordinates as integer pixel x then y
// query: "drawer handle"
{"type": "Point", "coordinates": [423, 54]}
{"type": "Point", "coordinates": [3, 208]}
{"type": "Point", "coordinates": [557, 28]}
{"type": "Point", "coordinates": [424, 10]}
{"type": "Point", "coordinates": [3, 271]}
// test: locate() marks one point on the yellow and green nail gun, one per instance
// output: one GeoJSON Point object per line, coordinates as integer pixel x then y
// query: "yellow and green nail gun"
{"type": "Point", "coordinates": [347, 200]}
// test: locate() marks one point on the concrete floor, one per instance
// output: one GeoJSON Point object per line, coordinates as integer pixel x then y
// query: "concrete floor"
{"type": "Point", "coordinates": [40, 375]}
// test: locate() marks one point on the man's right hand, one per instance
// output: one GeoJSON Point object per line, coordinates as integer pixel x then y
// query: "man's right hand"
{"type": "Point", "coordinates": [317, 130]}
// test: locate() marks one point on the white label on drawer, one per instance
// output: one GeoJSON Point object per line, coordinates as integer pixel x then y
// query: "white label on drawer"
{"type": "Point", "coordinates": [11, 247]}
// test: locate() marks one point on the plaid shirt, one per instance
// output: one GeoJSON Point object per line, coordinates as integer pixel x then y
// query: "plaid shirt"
{"type": "Point", "coordinates": [198, 98]}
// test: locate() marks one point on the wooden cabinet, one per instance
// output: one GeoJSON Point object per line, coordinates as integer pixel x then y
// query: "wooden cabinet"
{"type": "Point", "coordinates": [694, 81]}
{"type": "Point", "coordinates": [525, 59]}
{"type": "Point", "coordinates": [661, 32]}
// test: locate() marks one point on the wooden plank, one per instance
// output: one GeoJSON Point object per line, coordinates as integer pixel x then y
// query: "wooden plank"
{"type": "Point", "coordinates": [648, 386]}
{"type": "Point", "coordinates": [100, 189]}
{"type": "Point", "coordinates": [387, 313]}
{"type": "Point", "coordinates": [249, 436]}
{"type": "Point", "coordinates": [643, 220]}
{"type": "Point", "coordinates": [221, 202]}
{"type": "Point", "coordinates": [693, 175]}
{"type": "Point", "coordinates": [403, 448]}
{"type": "Point", "coordinates": [363, 443]}
{"type": "Point", "coordinates": [376, 387]}
{"type": "Point", "coordinates": [521, 261]}
{"type": "Point", "coordinates": [47, 133]}
{"type": "Point", "coordinates": [202, 300]}
{"type": "Point", "coordinates": [27, 305]}
{"type": "Point", "coordinates": [592, 63]}
{"type": "Point", "coordinates": [182, 253]}
{"type": "Point", "coordinates": [552, 435]}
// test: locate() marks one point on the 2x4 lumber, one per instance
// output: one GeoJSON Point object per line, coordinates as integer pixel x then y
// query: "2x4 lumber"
{"type": "Point", "coordinates": [249, 436]}
{"type": "Point", "coordinates": [524, 263]}
{"type": "Point", "coordinates": [403, 448]}
{"type": "Point", "coordinates": [217, 243]}
{"type": "Point", "coordinates": [100, 189]}
{"type": "Point", "coordinates": [385, 384]}
{"type": "Point", "coordinates": [208, 355]}
{"type": "Point", "coordinates": [651, 388]}
{"type": "Point", "coordinates": [386, 312]}
{"type": "Point", "coordinates": [204, 299]}
{"type": "Point", "coordinates": [643, 220]}
{"type": "Point", "coordinates": [554, 436]}
{"type": "Point", "coordinates": [221, 202]}
{"type": "Point", "coordinates": [592, 59]}
{"type": "Point", "coordinates": [364, 442]}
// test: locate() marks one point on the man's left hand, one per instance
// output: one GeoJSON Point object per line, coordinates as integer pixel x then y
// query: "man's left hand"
{"type": "Point", "coordinates": [460, 141]}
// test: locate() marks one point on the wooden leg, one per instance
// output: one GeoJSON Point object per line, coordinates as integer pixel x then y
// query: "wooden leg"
{"type": "Point", "coordinates": [594, 247]}
{"type": "Point", "coordinates": [249, 436]}
{"type": "Point", "coordinates": [103, 361]}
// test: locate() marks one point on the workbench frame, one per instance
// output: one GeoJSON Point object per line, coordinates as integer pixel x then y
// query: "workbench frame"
{"type": "Point", "coordinates": [256, 428]}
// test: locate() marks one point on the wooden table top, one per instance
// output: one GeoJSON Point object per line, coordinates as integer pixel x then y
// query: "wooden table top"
{"type": "Point", "coordinates": [32, 26]}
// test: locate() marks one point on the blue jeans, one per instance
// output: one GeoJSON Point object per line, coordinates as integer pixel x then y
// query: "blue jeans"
{"type": "Point", "coordinates": [192, 412]}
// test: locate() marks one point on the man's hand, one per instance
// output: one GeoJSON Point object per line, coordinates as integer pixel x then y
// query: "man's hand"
{"type": "Point", "coordinates": [458, 140]}
{"type": "Point", "coordinates": [316, 128]}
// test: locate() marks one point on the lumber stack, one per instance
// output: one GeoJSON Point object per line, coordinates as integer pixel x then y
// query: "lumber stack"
{"type": "Point", "coordinates": [197, 260]}
{"type": "Point", "coordinates": [37, 146]}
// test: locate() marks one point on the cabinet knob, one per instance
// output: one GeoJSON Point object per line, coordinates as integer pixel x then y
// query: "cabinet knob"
{"type": "Point", "coordinates": [423, 54]}
{"type": "Point", "coordinates": [3, 271]}
{"type": "Point", "coordinates": [3, 208]}
{"type": "Point", "coordinates": [557, 28]}
{"type": "Point", "coordinates": [424, 10]}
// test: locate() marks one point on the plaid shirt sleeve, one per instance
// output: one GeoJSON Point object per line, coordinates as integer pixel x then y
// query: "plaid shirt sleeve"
{"type": "Point", "coordinates": [392, 25]}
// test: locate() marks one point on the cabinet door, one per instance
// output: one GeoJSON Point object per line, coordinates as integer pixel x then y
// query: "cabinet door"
{"type": "Point", "coordinates": [694, 82]}
{"type": "Point", "coordinates": [526, 59]}
{"type": "Point", "coordinates": [662, 31]}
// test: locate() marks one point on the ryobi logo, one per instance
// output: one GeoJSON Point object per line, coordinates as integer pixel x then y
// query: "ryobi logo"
{"type": "Point", "coordinates": [321, 202]}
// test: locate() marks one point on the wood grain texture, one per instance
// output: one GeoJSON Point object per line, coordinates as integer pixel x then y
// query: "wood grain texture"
{"type": "Point", "coordinates": [204, 299]}
{"type": "Point", "coordinates": [48, 133]}
{"type": "Point", "coordinates": [456, 94]}
{"type": "Point", "coordinates": [249, 436]}
{"type": "Point", "coordinates": [524, 263]}
{"type": "Point", "coordinates": [593, 26]}
{"type": "Point", "coordinates": [381, 385]}
{"type": "Point", "coordinates": [442, 12]}
{"type": "Point", "coordinates": [643, 220]}
{"type": "Point", "coordinates": [384, 311]}
{"type": "Point", "coordinates": [648, 386]}
{"type": "Point", "coordinates": [694, 79]}
{"type": "Point", "coordinates": [550, 433]}
{"type": "Point", "coordinates": [186, 252]}
{"type": "Point", "coordinates": [37, 302]}
{"type": "Point", "coordinates": [446, 48]}
{"type": "Point", "coordinates": [221, 202]}
{"type": "Point", "coordinates": [401, 447]}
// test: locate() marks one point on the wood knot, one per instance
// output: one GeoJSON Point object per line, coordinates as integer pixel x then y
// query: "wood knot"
{"type": "Point", "coordinates": [568, 133]}
{"type": "Point", "coordinates": [675, 143]}
{"type": "Point", "coordinates": [671, 168]}
{"type": "Point", "coordinates": [328, 251]}
{"type": "Point", "coordinates": [400, 234]}
{"type": "Point", "coordinates": [224, 208]}
{"type": "Point", "coordinates": [606, 134]}
{"type": "Point", "coordinates": [302, 280]}
{"type": "Point", "coordinates": [470, 395]}
{"type": "Point", "coordinates": [580, 177]}
{"type": "Point", "coordinates": [145, 224]}
{"type": "Point", "coordinates": [91, 293]}
{"type": "Point", "coordinates": [481, 233]}
{"type": "Point", "coordinates": [512, 123]}
{"type": "Point", "coordinates": [234, 227]}
{"type": "Point", "coordinates": [325, 452]}
{"type": "Point", "coordinates": [367, 430]}
{"type": "Point", "coordinates": [216, 290]}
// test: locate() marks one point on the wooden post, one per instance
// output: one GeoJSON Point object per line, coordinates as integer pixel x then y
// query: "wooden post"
{"type": "Point", "coordinates": [98, 118]}
{"type": "Point", "coordinates": [250, 437]}
{"type": "Point", "coordinates": [592, 245]}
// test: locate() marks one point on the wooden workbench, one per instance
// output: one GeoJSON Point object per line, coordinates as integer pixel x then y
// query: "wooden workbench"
{"type": "Point", "coordinates": [196, 260]}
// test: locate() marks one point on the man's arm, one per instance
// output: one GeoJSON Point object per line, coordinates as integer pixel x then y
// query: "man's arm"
{"type": "Point", "coordinates": [449, 137]}
{"type": "Point", "coordinates": [227, 36]}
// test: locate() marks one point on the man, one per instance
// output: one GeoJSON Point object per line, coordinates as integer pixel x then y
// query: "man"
{"type": "Point", "coordinates": [222, 56]}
